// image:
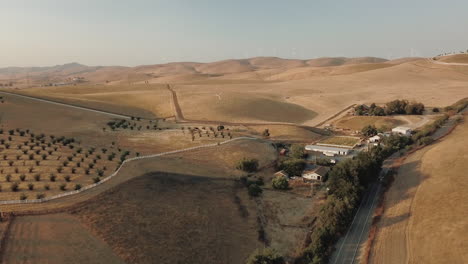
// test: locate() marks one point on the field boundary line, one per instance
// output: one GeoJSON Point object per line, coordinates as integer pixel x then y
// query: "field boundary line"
{"type": "Point", "coordinates": [115, 173]}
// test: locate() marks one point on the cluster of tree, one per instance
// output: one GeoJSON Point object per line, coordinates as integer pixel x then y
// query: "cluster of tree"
{"type": "Point", "coordinates": [292, 166]}
{"type": "Point", "coordinates": [122, 123]}
{"type": "Point", "coordinates": [347, 181]}
{"type": "Point", "coordinates": [369, 131]}
{"type": "Point", "coordinates": [395, 107]}
{"type": "Point", "coordinates": [295, 163]}
{"type": "Point", "coordinates": [10, 84]}
{"type": "Point", "coordinates": [247, 165]}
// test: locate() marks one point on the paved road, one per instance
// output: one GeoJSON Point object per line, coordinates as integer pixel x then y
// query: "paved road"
{"type": "Point", "coordinates": [67, 105]}
{"type": "Point", "coordinates": [347, 248]}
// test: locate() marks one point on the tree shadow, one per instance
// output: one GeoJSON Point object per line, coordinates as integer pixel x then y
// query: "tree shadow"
{"type": "Point", "coordinates": [389, 221]}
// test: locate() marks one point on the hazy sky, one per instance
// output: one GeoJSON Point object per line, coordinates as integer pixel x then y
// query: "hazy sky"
{"type": "Point", "coordinates": [135, 32]}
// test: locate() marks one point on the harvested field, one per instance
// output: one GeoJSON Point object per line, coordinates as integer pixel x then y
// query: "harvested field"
{"type": "Point", "coordinates": [175, 219]}
{"type": "Point", "coordinates": [425, 203]}
{"type": "Point", "coordinates": [287, 133]}
{"type": "Point", "coordinates": [55, 238]}
{"type": "Point", "coordinates": [237, 107]}
{"type": "Point", "coordinates": [147, 101]}
{"type": "Point", "coordinates": [359, 122]}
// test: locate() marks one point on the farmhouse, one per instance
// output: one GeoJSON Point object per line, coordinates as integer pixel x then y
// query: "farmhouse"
{"type": "Point", "coordinates": [317, 174]}
{"type": "Point", "coordinates": [405, 131]}
{"type": "Point", "coordinates": [281, 173]}
{"type": "Point", "coordinates": [374, 139]}
{"type": "Point", "coordinates": [328, 151]}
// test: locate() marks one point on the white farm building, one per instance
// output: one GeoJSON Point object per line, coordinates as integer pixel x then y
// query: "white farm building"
{"type": "Point", "coordinates": [328, 151]}
{"type": "Point", "coordinates": [317, 174]}
{"type": "Point", "coordinates": [405, 131]}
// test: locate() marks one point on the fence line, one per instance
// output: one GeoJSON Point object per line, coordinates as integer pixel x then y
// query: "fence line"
{"type": "Point", "coordinates": [42, 200]}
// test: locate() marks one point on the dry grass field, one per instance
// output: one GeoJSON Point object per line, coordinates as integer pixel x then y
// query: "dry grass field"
{"type": "Point", "coordinates": [171, 218]}
{"type": "Point", "coordinates": [458, 58]}
{"type": "Point", "coordinates": [422, 80]}
{"type": "Point", "coordinates": [54, 239]}
{"type": "Point", "coordinates": [147, 101]}
{"type": "Point", "coordinates": [425, 213]}
{"type": "Point", "coordinates": [252, 91]}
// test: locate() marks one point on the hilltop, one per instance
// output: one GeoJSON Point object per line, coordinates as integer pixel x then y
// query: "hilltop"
{"type": "Point", "coordinates": [263, 68]}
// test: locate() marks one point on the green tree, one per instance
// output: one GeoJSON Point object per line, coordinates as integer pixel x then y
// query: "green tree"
{"type": "Point", "coordinates": [297, 151]}
{"type": "Point", "coordinates": [369, 131]}
{"type": "Point", "coordinates": [293, 167]}
{"type": "Point", "coordinates": [247, 165]}
{"type": "Point", "coordinates": [280, 183]}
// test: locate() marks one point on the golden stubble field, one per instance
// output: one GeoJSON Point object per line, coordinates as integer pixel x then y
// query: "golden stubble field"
{"type": "Point", "coordinates": [425, 209]}
{"type": "Point", "coordinates": [307, 100]}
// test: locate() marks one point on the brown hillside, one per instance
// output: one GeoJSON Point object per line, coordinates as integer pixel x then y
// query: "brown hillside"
{"type": "Point", "coordinates": [458, 58]}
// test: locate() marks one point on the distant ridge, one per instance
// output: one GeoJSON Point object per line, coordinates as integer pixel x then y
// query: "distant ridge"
{"type": "Point", "coordinates": [259, 68]}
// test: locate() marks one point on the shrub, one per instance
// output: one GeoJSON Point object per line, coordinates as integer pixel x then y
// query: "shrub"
{"type": "Point", "coordinates": [37, 177]}
{"type": "Point", "coordinates": [40, 196]}
{"type": "Point", "coordinates": [52, 177]}
{"type": "Point", "coordinates": [31, 186]}
{"type": "Point", "coordinates": [8, 177]}
{"type": "Point", "coordinates": [67, 178]}
{"type": "Point", "coordinates": [435, 110]}
{"type": "Point", "coordinates": [426, 140]}
{"type": "Point", "coordinates": [96, 179]}
{"type": "Point", "coordinates": [265, 256]}
{"type": "Point", "coordinates": [254, 190]}
{"type": "Point", "coordinates": [22, 177]}
{"type": "Point", "coordinates": [14, 187]}
{"type": "Point", "coordinates": [63, 186]}
{"type": "Point", "coordinates": [23, 196]}
{"type": "Point", "coordinates": [77, 186]}
{"type": "Point", "coordinates": [280, 183]}
{"type": "Point", "coordinates": [47, 187]}
{"type": "Point", "coordinates": [247, 165]}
